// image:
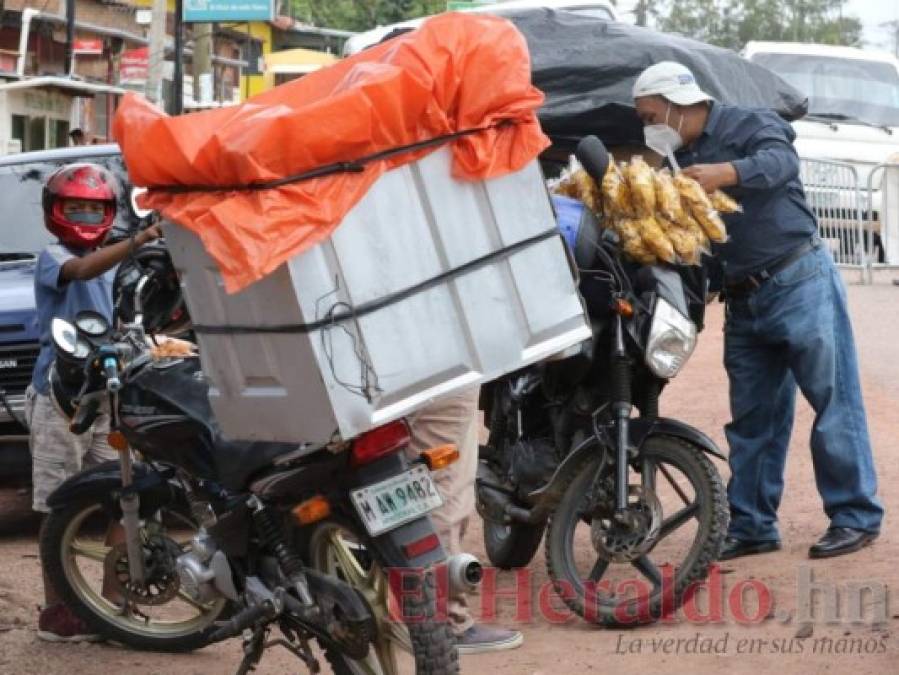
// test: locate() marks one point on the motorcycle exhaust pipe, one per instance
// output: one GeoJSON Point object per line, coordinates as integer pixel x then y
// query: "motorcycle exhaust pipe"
{"type": "Point", "coordinates": [465, 573]}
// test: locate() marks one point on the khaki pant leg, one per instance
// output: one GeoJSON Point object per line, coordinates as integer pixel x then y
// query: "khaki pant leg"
{"type": "Point", "coordinates": [453, 419]}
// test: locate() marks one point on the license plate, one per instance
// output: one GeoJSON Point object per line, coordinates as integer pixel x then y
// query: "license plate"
{"type": "Point", "coordinates": [392, 502]}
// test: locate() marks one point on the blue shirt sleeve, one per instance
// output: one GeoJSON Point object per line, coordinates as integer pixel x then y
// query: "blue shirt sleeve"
{"type": "Point", "coordinates": [770, 162]}
{"type": "Point", "coordinates": [49, 266]}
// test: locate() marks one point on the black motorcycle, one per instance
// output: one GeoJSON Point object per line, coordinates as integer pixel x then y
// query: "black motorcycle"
{"type": "Point", "coordinates": [564, 444]}
{"type": "Point", "coordinates": [205, 539]}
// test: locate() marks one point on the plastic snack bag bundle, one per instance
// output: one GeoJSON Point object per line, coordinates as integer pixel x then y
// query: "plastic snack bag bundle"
{"type": "Point", "coordinates": [656, 240]}
{"type": "Point", "coordinates": [642, 187]}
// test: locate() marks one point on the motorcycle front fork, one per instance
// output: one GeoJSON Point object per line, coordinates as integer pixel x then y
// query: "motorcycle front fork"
{"type": "Point", "coordinates": [129, 500]}
{"type": "Point", "coordinates": [622, 406]}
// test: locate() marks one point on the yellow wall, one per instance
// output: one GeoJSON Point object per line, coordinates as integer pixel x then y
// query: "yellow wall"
{"type": "Point", "coordinates": [250, 85]}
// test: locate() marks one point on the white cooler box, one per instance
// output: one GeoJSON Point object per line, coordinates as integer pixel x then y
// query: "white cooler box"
{"type": "Point", "coordinates": [468, 283]}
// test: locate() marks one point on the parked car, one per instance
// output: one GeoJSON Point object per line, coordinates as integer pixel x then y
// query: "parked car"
{"type": "Point", "coordinates": [853, 118]}
{"type": "Point", "coordinates": [22, 237]}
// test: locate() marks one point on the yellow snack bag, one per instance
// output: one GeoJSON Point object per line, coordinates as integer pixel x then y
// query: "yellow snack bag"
{"type": "Point", "coordinates": [724, 203]}
{"type": "Point", "coordinates": [642, 187]}
{"type": "Point", "coordinates": [691, 192]}
{"type": "Point", "coordinates": [637, 250]}
{"type": "Point", "coordinates": [667, 196]}
{"type": "Point", "coordinates": [686, 245]}
{"type": "Point", "coordinates": [628, 229]}
{"type": "Point", "coordinates": [615, 192]}
{"type": "Point", "coordinates": [711, 224]}
{"type": "Point", "coordinates": [655, 239]}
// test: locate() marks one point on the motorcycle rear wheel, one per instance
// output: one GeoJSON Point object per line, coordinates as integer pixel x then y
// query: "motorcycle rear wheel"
{"type": "Point", "coordinates": [338, 549]}
{"type": "Point", "coordinates": [513, 545]}
{"type": "Point", "coordinates": [74, 554]}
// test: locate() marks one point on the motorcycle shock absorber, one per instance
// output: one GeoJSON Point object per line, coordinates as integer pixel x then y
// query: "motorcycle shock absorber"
{"type": "Point", "coordinates": [272, 535]}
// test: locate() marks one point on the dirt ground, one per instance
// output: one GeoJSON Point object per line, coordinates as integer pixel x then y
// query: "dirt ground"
{"type": "Point", "coordinates": [777, 642]}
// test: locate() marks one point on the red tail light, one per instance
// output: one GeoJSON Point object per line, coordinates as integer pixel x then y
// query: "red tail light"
{"type": "Point", "coordinates": [380, 442]}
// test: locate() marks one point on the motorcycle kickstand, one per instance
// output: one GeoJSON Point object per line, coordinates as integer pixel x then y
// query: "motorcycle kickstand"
{"type": "Point", "coordinates": [253, 647]}
{"type": "Point", "coordinates": [301, 651]}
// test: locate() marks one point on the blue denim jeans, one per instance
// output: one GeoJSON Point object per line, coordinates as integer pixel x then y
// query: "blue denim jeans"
{"type": "Point", "coordinates": [795, 330]}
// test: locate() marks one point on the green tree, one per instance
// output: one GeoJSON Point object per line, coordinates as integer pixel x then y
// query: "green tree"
{"type": "Point", "coordinates": [733, 23]}
{"type": "Point", "coordinates": [362, 14]}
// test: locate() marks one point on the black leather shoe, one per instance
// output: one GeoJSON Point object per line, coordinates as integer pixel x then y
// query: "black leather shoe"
{"type": "Point", "coordinates": [840, 541]}
{"type": "Point", "coordinates": [737, 548]}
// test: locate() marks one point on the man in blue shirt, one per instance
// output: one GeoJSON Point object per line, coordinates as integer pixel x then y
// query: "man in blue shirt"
{"type": "Point", "coordinates": [787, 321]}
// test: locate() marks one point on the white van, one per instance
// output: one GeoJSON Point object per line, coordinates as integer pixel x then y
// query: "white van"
{"type": "Point", "coordinates": [600, 10]}
{"type": "Point", "coordinates": [853, 112]}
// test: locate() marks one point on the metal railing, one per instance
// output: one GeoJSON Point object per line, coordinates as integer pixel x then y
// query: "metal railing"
{"type": "Point", "coordinates": [843, 210]}
{"type": "Point", "coordinates": [884, 249]}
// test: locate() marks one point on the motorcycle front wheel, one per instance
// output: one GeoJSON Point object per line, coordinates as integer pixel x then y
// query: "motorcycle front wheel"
{"type": "Point", "coordinates": [89, 571]}
{"type": "Point", "coordinates": [338, 549]}
{"type": "Point", "coordinates": [628, 575]}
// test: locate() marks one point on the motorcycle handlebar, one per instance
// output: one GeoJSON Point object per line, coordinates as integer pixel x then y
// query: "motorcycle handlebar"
{"type": "Point", "coordinates": [85, 415]}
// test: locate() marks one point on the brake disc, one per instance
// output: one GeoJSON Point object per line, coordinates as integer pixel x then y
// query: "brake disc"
{"type": "Point", "coordinates": [623, 543]}
{"type": "Point", "coordinates": [161, 577]}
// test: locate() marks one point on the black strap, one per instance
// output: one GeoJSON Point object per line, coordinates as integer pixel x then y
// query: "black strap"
{"type": "Point", "coordinates": [380, 303]}
{"type": "Point", "coordinates": [353, 166]}
{"type": "Point", "coordinates": [755, 280]}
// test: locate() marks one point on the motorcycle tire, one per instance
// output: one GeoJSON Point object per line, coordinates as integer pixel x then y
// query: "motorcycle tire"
{"type": "Point", "coordinates": [712, 514]}
{"type": "Point", "coordinates": [432, 643]}
{"type": "Point", "coordinates": [57, 534]}
{"type": "Point", "coordinates": [511, 546]}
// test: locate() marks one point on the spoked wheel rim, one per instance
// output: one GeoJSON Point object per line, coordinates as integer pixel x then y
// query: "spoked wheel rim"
{"type": "Point", "coordinates": [129, 616]}
{"type": "Point", "coordinates": [335, 550]}
{"type": "Point", "coordinates": [641, 581]}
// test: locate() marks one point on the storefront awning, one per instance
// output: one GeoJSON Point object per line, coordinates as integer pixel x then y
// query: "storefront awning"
{"type": "Point", "coordinates": [75, 87]}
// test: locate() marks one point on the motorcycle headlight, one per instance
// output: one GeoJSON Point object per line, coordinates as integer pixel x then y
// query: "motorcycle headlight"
{"type": "Point", "coordinates": [672, 337]}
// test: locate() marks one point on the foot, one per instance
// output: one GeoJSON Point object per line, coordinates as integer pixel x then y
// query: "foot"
{"type": "Point", "coordinates": [840, 541]}
{"type": "Point", "coordinates": [737, 548]}
{"type": "Point", "coordinates": [58, 623]}
{"type": "Point", "coordinates": [480, 639]}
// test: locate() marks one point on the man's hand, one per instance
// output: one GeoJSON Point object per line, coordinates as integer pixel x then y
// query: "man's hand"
{"type": "Point", "coordinates": [713, 176]}
{"type": "Point", "coordinates": [152, 233]}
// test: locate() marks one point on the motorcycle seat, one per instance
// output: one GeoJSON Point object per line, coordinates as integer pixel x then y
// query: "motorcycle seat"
{"type": "Point", "coordinates": [238, 461]}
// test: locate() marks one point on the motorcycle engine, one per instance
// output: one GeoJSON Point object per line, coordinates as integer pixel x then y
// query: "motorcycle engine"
{"type": "Point", "coordinates": [532, 464]}
{"type": "Point", "coordinates": [204, 572]}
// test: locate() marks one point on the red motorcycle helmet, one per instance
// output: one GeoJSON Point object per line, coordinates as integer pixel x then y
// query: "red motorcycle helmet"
{"type": "Point", "coordinates": [87, 182]}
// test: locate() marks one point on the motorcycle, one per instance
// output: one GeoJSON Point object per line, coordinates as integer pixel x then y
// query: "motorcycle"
{"type": "Point", "coordinates": [563, 444]}
{"type": "Point", "coordinates": [202, 539]}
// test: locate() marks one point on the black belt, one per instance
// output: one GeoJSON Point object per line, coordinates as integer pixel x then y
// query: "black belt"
{"type": "Point", "coordinates": [754, 281]}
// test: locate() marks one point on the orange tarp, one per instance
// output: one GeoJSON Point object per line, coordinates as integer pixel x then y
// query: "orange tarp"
{"type": "Point", "coordinates": [457, 72]}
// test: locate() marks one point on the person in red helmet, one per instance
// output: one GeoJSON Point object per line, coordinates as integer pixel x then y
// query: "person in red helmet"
{"type": "Point", "coordinates": [72, 275]}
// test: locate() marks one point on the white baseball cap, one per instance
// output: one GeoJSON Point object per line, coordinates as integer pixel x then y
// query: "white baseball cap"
{"type": "Point", "coordinates": [671, 80]}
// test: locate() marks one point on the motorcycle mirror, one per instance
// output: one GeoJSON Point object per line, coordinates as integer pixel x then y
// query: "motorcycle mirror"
{"type": "Point", "coordinates": [593, 156]}
{"type": "Point", "coordinates": [138, 211]}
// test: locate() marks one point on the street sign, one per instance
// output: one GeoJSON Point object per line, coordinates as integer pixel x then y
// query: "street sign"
{"type": "Point", "coordinates": [206, 11]}
{"type": "Point", "coordinates": [92, 46]}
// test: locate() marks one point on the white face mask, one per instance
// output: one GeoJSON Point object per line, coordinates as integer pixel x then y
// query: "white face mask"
{"type": "Point", "coordinates": [663, 139]}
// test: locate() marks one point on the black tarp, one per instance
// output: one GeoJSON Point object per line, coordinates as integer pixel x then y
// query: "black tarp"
{"type": "Point", "coordinates": [587, 68]}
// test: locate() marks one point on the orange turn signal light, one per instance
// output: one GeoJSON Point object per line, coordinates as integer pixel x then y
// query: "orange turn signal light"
{"type": "Point", "coordinates": [623, 307]}
{"type": "Point", "coordinates": [117, 441]}
{"type": "Point", "coordinates": [312, 510]}
{"type": "Point", "coordinates": [441, 456]}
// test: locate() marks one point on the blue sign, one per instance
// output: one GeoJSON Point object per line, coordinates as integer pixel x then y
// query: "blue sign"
{"type": "Point", "coordinates": [207, 11]}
